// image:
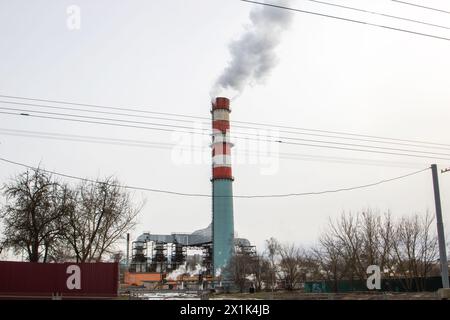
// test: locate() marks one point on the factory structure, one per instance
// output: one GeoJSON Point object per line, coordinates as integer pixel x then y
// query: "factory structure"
{"type": "Point", "coordinates": [203, 255]}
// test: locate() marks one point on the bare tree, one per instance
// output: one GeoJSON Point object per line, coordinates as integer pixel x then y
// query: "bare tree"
{"type": "Point", "coordinates": [272, 248]}
{"type": "Point", "coordinates": [102, 215]}
{"type": "Point", "coordinates": [362, 239]}
{"type": "Point", "coordinates": [370, 238]}
{"type": "Point", "coordinates": [404, 250]}
{"type": "Point", "coordinates": [414, 250]}
{"type": "Point", "coordinates": [32, 216]}
{"type": "Point", "coordinates": [329, 258]}
{"type": "Point", "coordinates": [386, 232]}
{"type": "Point", "coordinates": [347, 232]}
{"type": "Point", "coordinates": [260, 268]}
{"type": "Point", "coordinates": [240, 268]}
{"type": "Point", "coordinates": [292, 265]}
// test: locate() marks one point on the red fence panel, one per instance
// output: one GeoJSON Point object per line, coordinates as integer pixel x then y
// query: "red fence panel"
{"type": "Point", "coordinates": [28, 279]}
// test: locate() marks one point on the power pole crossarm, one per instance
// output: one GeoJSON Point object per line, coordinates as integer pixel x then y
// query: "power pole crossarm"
{"type": "Point", "coordinates": [440, 228]}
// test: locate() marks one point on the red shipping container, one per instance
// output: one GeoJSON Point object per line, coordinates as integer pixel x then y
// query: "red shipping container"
{"type": "Point", "coordinates": [82, 280]}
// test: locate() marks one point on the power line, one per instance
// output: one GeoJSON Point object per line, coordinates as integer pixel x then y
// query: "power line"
{"type": "Point", "coordinates": [114, 185]}
{"type": "Point", "coordinates": [97, 118]}
{"type": "Point", "coordinates": [210, 196]}
{"type": "Point", "coordinates": [235, 134]}
{"type": "Point", "coordinates": [362, 150]}
{"type": "Point", "coordinates": [233, 122]}
{"type": "Point", "coordinates": [168, 146]}
{"type": "Point", "coordinates": [349, 20]}
{"type": "Point", "coordinates": [341, 189]}
{"type": "Point", "coordinates": [379, 14]}
{"type": "Point", "coordinates": [345, 133]}
{"type": "Point", "coordinates": [94, 111]}
{"type": "Point", "coordinates": [97, 122]}
{"type": "Point", "coordinates": [420, 6]}
{"type": "Point", "coordinates": [209, 123]}
{"type": "Point", "coordinates": [353, 161]}
{"type": "Point", "coordinates": [260, 140]}
{"type": "Point", "coordinates": [133, 109]}
{"type": "Point", "coordinates": [90, 139]}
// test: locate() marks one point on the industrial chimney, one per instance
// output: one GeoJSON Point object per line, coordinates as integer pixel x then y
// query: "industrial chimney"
{"type": "Point", "coordinates": [222, 189]}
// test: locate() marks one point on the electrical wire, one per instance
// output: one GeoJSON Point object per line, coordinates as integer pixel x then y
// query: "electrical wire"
{"type": "Point", "coordinates": [259, 140]}
{"type": "Point", "coordinates": [421, 6]}
{"type": "Point", "coordinates": [232, 122]}
{"type": "Point", "coordinates": [89, 139]}
{"type": "Point", "coordinates": [345, 133]}
{"type": "Point", "coordinates": [348, 20]}
{"type": "Point", "coordinates": [279, 138]}
{"type": "Point", "coordinates": [209, 123]}
{"type": "Point", "coordinates": [378, 14]}
{"type": "Point", "coordinates": [169, 146]}
{"type": "Point", "coordinates": [25, 112]}
{"type": "Point", "coordinates": [94, 111]}
{"type": "Point", "coordinates": [98, 122]}
{"type": "Point", "coordinates": [362, 150]}
{"type": "Point", "coordinates": [235, 134]}
{"type": "Point", "coordinates": [133, 109]}
{"type": "Point", "coordinates": [210, 196]}
{"type": "Point", "coordinates": [338, 190]}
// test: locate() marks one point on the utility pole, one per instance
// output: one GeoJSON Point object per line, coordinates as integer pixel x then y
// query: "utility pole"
{"type": "Point", "coordinates": [440, 228]}
{"type": "Point", "coordinates": [128, 249]}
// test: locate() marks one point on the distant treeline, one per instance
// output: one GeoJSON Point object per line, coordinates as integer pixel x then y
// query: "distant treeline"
{"type": "Point", "coordinates": [405, 249]}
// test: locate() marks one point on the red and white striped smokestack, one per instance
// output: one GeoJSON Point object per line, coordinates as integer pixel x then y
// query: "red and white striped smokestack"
{"type": "Point", "coordinates": [221, 145]}
{"type": "Point", "coordinates": [222, 188]}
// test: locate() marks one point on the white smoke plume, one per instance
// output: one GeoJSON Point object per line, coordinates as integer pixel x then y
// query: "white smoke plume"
{"type": "Point", "coordinates": [177, 272]}
{"type": "Point", "coordinates": [253, 55]}
{"type": "Point", "coordinates": [185, 270]}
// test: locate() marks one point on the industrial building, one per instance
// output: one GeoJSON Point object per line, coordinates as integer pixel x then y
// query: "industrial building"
{"type": "Point", "coordinates": [159, 258]}
{"type": "Point", "coordinates": [155, 257]}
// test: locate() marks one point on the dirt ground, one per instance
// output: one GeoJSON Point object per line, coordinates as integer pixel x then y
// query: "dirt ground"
{"type": "Point", "coordinates": [286, 295]}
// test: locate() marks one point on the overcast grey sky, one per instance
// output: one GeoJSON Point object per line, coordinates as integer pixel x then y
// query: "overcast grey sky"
{"type": "Point", "coordinates": [165, 56]}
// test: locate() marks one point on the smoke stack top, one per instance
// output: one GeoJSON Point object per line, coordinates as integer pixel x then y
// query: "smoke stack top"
{"type": "Point", "coordinates": [221, 103]}
{"type": "Point", "coordinates": [253, 55]}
